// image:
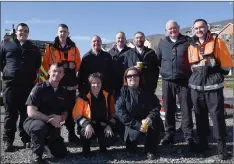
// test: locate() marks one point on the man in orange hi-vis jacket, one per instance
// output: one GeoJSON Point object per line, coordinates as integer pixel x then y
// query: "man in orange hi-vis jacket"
{"type": "Point", "coordinates": [210, 61]}
{"type": "Point", "coordinates": [64, 50]}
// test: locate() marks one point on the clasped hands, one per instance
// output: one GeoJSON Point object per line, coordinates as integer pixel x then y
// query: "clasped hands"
{"type": "Point", "coordinates": [55, 120]}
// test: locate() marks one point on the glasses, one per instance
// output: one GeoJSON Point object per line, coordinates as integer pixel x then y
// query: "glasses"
{"type": "Point", "coordinates": [132, 76]}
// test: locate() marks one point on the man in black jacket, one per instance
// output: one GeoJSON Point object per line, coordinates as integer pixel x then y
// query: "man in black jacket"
{"type": "Point", "coordinates": [118, 58]}
{"type": "Point", "coordinates": [96, 60]}
{"type": "Point", "coordinates": [20, 61]}
{"type": "Point", "coordinates": [175, 72]}
{"type": "Point", "coordinates": [150, 62]}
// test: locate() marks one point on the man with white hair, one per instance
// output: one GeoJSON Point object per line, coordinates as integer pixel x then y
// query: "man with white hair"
{"type": "Point", "coordinates": [175, 72]}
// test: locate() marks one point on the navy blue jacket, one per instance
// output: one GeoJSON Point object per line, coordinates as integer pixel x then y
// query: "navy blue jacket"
{"type": "Point", "coordinates": [150, 69]}
{"type": "Point", "coordinates": [92, 63]}
{"type": "Point", "coordinates": [134, 105]}
{"type": "Point", "coordinates": [19, 64]}
{"type": "Point", "coordinates": [174, 58]}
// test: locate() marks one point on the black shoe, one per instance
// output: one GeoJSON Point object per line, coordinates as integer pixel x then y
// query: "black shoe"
{"type": "Point", "coordinates": [192, 145]}
{"type": "Point", "coordinates": [151, 156]}
{"type": "Point", "coordinates": [37, 159]}
{"type": "Point", "coordinates": [86, 152]}
{"type": "Point", "coordinates": [102, 149]}
{"type": "Point", "coordinates": [222, 150]}
{"type": "Point", "coordinates": [167, 140]}
{"type": "Point", "coordinates": [72, 138]}
{"type": "Point", "coordinates": [8, 147]}
{"type": "Point", "coordinates": [131, 147]}
{"type": "Point", "coordinates": [202, 145]}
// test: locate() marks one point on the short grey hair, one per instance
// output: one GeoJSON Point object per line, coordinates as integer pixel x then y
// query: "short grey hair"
{"type": "Point", "coordinates": [172, 21]}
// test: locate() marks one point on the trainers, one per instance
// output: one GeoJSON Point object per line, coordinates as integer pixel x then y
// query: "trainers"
{"type": "Point", "coordinates": [37, 159]}
{"type": "Point", "coordinates": [222, 150]}
{"type": "Point", "coordinates": [8, 147]}
{"type": "Point", "coordinates": [151, 156]}
{"type": "Point", "coordinates": [168, 139]}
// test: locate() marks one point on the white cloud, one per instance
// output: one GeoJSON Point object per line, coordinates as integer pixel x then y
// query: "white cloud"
{"type": "Point", "coordinates": [34, 21]}
{"type": "Point", "coordinates": [87, 38]}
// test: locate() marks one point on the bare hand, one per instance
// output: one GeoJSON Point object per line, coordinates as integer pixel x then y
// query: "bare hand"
{"type": "Point", "coordinates": [108, 131]}
{"type": "Point", "coordinates": [55, 120]}
{"type": "Point", "coordinates": [89, 131]}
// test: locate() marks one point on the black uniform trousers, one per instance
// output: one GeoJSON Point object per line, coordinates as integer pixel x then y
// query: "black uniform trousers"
{"type": "Point", "coordinates": [43, 134]}
{"type": "Point", "coordinates": [212, 102]}
{"type": "Point", "coordinates": [14, 99]}
{"type": "Point", "coordinates": [103, 141]}
{"type": "Point", "coordinates": [69, 122]}
{"type": "Point", "coordinates": [170, 89]}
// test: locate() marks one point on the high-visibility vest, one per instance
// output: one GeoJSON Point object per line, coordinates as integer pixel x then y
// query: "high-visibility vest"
{"type": "Point", "coordinates": [42, 75]}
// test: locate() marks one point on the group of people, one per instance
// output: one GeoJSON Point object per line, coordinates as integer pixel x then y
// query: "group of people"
{"type": "Point", "coordinates": [116, 91]}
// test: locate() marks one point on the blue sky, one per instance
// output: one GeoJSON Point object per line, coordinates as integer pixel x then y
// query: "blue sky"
{"type": "Point", "coordinates": [86, 19]}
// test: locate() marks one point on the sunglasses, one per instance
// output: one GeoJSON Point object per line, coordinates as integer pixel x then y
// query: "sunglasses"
{"type": "Point", "coordinates": [132, 76]}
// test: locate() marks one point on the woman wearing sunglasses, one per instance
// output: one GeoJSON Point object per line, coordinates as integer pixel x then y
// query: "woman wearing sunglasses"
{"type": "Point", "coordinates": [138, 112]}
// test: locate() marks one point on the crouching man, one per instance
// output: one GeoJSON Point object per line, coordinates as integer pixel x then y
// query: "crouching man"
{"type": "Point", "coordinates": [47, 107]}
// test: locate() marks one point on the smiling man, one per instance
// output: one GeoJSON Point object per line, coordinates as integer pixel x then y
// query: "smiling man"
{"type": "Point", "coordinates": [96, 60]}
{"type": "Point", "coordinates": [47, 107]}
{"type": "Point", "coordinates": [175, 71]}
{"type": "Point", "coordinates": [64, 50]}
{"type": "Point", "coordinates": [20, 60]}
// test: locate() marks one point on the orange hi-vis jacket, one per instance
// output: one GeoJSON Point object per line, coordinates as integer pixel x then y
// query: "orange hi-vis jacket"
{"type": "Point", "coordinates": [82, 108]}
{"type": "Point", "coordinates": [209, 61]}
{"type": "Point", "coordinates": [53, 55]}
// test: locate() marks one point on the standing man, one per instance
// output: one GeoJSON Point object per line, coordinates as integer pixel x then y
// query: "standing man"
{"type": "Point", "coordinates": [96, 60]}
{"type": "Point", "coordinates": [20, 60]}
{"type": "Point", "coordinates": [64, 50]}
{"type": "Point", "coordinates": [47, 107]}
{"type": "Point", "coordinates": [118, 60]}
{"type": "Point", "coordinates": [175, 71]}
{"type": "Point", "coordinates": [149, 59]}
{"type": "Point", "coordinates": [210, 61]}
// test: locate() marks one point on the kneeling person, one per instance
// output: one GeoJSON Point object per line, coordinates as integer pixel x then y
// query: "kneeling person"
{"type": "Point", "coordinates": [94, 115]}
{"type": "Point", "coordinates": [47, 107]}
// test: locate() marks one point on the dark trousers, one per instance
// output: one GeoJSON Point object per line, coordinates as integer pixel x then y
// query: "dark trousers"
{"type": "Point", "coordinates": [103, 141]}
{"type": "Point", "coordinates": [69, 122]}
{"type": "Point", "coordinates": [170, 90]}
{"type": "Point", "coordinates": [14, 99]}
{"type": "Point", "coordinates": [212, 102]}
{"type": "Point", "coordinates": [150, 140]}
{"type": "Point", "coordinates": [43, 134]}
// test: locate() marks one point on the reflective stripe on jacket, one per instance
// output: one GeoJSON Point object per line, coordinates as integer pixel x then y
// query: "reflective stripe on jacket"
{"type": "Point", "coordinates": [209, 61]}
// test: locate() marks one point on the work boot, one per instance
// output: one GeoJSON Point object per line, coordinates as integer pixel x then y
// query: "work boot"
{"type": "Point", "coordinates": [192, 145]}
{"type": "Point", "coordinates": [8, 146]}
{"type": "Point", "coordinates": [168, 139]}
{"type": "Point", "coordinates": [131, 147]}
{"type": "Point", "coordinates": [72, 138]}
{"type": "Point", "coordinates": [222, 150]}
{"type": "Point", "coordinates": [202, 144]}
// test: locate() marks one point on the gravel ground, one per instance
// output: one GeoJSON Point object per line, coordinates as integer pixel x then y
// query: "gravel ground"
{"type": "Point", "coordinates": [177, 153]}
